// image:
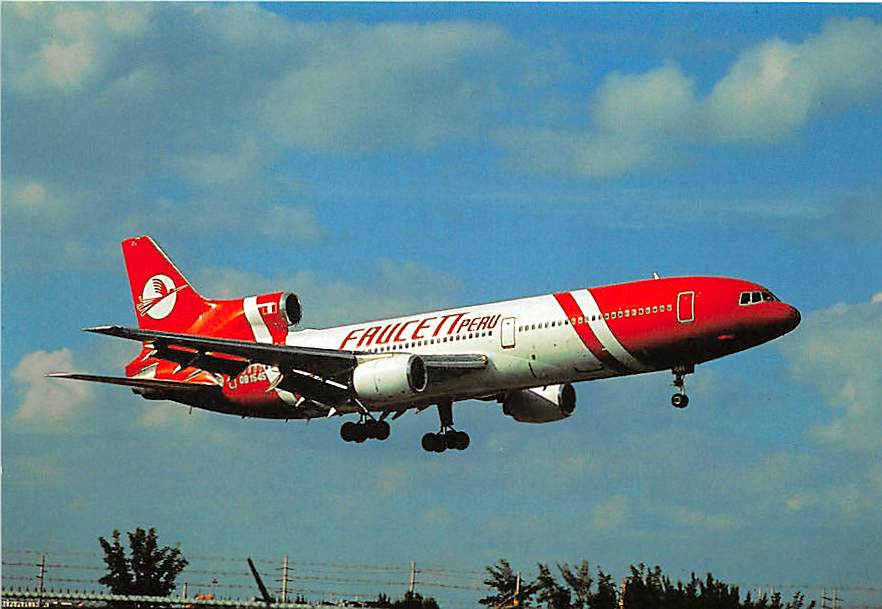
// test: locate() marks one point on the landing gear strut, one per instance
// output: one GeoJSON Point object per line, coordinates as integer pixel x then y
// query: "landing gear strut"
{"type": "Point", "coordinates": [367, 428]}
{"type": "Point", "coordinates": [447, 437]}
{"type": "Point", "coordinates": [680, 399]}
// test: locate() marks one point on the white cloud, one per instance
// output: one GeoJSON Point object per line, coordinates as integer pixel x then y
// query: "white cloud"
{"type": "Point", "coordinates": [610, 514]}
{"type": "Point", "coordinates": [771, 91]}
{"type": "Point", "coordinates": [660, 102]}
{"type": "Point", "coordinates": [33, 193]}
{"type": "Point", "coordinates": [693, 518]}
{"type": "Point", "coordinates": [393, 86]}
{"type": "Point", "coordinates": [47, 401]}
{"type": "Point", "coordinates": [181, 114]}
{"type": "Point", "coordinates": [837, 352]}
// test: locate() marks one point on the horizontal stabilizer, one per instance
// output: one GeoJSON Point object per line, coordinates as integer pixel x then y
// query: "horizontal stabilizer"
{"type": "Point", "coordinates": [133, 382]}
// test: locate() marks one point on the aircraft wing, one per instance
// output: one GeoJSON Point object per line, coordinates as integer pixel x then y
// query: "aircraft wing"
{"type": "Point", "coordinates": [135, 382]}
{"type": "Point", "coordinates": [321, 362]}
{"type": "Point", "coordinates": [318, 374]}
{"type": "Point", "coordinates": [308, 371]}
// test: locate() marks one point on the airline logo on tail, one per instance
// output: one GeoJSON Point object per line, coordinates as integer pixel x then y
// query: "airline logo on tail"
{"type": "Point", "coordinates": [158, 297]}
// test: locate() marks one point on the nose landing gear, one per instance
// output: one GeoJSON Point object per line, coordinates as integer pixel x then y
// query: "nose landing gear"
{"type": "Point", "coordinates": [680, 399]}
{"type": "Point", "coordinates": [447, 437]}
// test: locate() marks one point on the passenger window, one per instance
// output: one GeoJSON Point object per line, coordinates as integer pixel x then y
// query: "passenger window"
{"type": "Point", "coordinates": [606, 315]}
{"type": "Point", "coordinates": [670, 308]}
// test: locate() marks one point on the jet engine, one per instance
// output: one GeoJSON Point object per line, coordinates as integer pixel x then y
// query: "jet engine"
{"type": "Point", "coordinates": [290, 307]}
{"type": "Point", "coordinates": [389, 378]}
{"type": "Point", "coordinates": [540, 404]}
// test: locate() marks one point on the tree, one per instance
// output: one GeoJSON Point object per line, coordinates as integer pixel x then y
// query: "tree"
{"type": "Point", "coordinates": [503, 579]}
{"type": "Point", "coordinates": [549, 592]}
{"type": "Point", "coordinates": [150, 571]}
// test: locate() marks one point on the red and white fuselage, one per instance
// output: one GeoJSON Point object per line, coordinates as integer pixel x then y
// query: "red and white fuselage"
{"type": "Point", "coordinates": [520, 352]}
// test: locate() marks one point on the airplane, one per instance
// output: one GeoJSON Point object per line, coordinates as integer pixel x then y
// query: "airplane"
{"type": "Point", "coordinates": [247, 357]}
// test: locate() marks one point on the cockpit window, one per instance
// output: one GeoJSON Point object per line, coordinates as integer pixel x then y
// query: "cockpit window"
{"type": "Point", "coordinates": [755, 296]}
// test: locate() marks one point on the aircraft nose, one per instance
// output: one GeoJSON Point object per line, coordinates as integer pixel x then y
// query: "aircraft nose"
{"type": "Point", "coordinates": [791, 319]}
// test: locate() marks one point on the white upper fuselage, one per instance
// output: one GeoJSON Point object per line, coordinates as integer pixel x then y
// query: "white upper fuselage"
{"type": "Point", "coordinates": [529, 342]}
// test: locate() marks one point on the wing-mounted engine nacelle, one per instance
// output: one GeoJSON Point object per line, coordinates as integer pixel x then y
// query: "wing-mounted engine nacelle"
{"type": "Point", "coordinates": [389, 378]}
{"type": "Point", "coordinates": [541, 404]}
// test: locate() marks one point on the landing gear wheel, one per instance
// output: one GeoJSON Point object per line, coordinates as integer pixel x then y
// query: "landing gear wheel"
{"type": "Point", "coordinates": [458, 440]}
{"type": "Point", "coordinates": [434, 443]}
{"type": "Point", "coordinates": [382, 430]}
{"type": "Point", "coordinates": [364, 430]}
{"type": "Point", "coordinates": [348, 431]}
{"type": "Point", "coordinates": [447, 437]}
{"type": "Point", "coordinates": [680, 399]}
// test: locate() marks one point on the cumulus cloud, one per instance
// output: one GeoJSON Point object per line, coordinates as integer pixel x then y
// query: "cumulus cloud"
{"type": "Point", "coordinates": [169, 115]}
{"type": "Point", "coordinates": [770, 92]}
{"type": "Point", "coordinates": [44, 400]}
{"type": "Point", "coordinates": [837, 352]}
{"type": "Point", "coordinates": [392, 86]}
{"type": "Point", "coordinates": [773, 89]}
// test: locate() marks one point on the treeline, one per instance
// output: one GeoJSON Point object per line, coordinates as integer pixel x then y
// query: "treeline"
{"type": "Point", "coordinates": [574, 587]}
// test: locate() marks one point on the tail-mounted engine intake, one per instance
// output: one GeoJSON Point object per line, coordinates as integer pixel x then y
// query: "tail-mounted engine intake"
{"type": "Point", "coordinates": [541, 404]}
{"type": "Point", "coordinates": [290, 307]}
{"type": "Point", "coordinates": [389, 378]}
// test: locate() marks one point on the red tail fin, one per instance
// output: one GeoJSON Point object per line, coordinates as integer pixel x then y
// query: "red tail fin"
{"type": "Point", "coordinates": [163, 298]}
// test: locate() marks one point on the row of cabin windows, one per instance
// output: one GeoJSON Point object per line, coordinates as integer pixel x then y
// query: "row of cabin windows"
{"type": "Point", "coordinates": [608, 315]}
{"type": "Point", "coordinates": [431, 341]}
{"type": "Point", "coordinates": [749, 298]}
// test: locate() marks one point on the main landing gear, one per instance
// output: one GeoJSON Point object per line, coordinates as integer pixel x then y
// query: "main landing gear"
{"type": "Point", "coordinates": [447, 437]}
{"type": "Point", "coordinates": [680, 399]}
{"type": "Point", "coordinates": [365, 429]}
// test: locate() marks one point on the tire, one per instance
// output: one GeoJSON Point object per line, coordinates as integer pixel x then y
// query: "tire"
{"type": "Point", "coordinates": [382, 430]}
{"type": "Point", "coordinates": [348, 431]}
{"type": "Point", "coordinates": [428, 442]}
{"type": "Point", "coordinates": [462, 440]}
{"type": "Point", "coordinates": [680, 400]}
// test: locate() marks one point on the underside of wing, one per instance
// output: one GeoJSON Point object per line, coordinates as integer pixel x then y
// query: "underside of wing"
{"type": "Point", "coordinates": [318, 374]}
{"type": "Point", "coordinates": [136, 382]}
{"type": "Point", "coordinates": [321, 375]}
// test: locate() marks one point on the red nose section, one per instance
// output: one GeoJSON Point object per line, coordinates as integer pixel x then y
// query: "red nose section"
{"type": "Point", "coordinates": [791, 319]}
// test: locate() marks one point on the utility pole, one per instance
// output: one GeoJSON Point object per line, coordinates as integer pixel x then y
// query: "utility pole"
{"type": "Point", "coordinates": [412, 585]}
{"type": "Point", "coordinates": [42, 578]}
{"type": "Point", "coordinates": [285, 579]}
{"type": "Point", "coordinates": [184, 590]}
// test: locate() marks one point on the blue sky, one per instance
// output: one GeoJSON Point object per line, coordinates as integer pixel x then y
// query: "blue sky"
{"type": "Point", "coordinates": [386, 158]}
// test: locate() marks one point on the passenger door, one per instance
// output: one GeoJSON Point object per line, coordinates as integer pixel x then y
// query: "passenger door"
{"type": "Point", "coordinates": [686, 307]}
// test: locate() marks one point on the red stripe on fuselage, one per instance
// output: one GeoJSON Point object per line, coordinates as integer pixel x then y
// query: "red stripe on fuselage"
{"type": "Point", "coordinates": [574, 312]}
